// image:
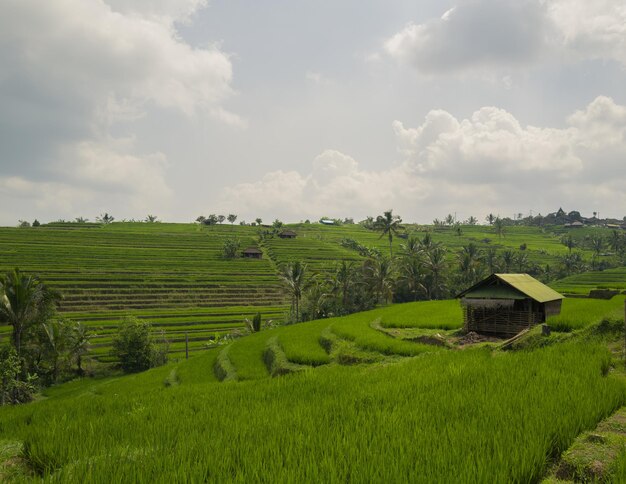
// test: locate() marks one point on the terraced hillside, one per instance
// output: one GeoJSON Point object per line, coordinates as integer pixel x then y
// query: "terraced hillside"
{"type": "Point", "coordinates": [171, 274]}
{"type": "Point", "coordinates": [587, 281]}
{"type": "Point", "coordinates": [175, 276]}
{"type": "Point", "coordinates": [393, 408]}
{"type": "Point", "coordinates": [383, 334]}
{"type": "Point", "coordinates": [542, 246]}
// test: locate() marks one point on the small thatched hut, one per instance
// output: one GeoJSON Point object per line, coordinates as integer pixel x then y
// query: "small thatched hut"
{"type": "Point", "coordinates": [505, 304]}
{"type": "Point", "coordinates": [287, 234]}
{"type": "Point", "coordinates": [253, 253]}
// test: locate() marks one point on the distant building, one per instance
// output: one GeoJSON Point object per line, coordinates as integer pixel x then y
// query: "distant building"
{"type": "Point", "coordinates": [505, 304]}
{"type": "Point", "coordinates": [287, 234]}
{"type": "Point", "coordinates": [574, 225]}
{"type": "Point", "coordinates": [253, 253]}
{"type": "Point", "coordinates": [326, 221]}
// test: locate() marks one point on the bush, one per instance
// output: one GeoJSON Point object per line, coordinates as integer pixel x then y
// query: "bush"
{"type": "Point", "coordinates": [13, 388]}
{"type": "Point", "coordinates": [230, 249]}
{"type": "Point", "coordinates": [135, 348]}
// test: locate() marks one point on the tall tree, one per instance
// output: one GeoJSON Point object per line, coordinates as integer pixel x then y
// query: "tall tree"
{"type": "Point", "coordinates": [597, 244]}
{"type": "Point", "coordinates": [435, 264]}
{"type": "Point", "coordinates": [231, 218]}
{"type": "Point", "coordinates": [470, 263]}
{"type": "Point", "coordinates": [344, 280]}
{"type": "Point", "coordinates": [388, 224]}
{"type": "Point", "coordinates": [24, 301]}
{"type": "Point", "coordinates": [105, 218]}
{"type": "Point", "coordinates": [498, 225]}
{"type": "Point", "coordinates": [293, 278]}
{"type": "Point", "coordinates": [569, 242]}
{"type": "Point", "coordinates": [381, 278]}
{"type": "Point", "coordinates": [412, 274]}
{"type": "Point", "coordinates": [508, 259]}
{"type": "Point", "coordinates": [491, 259]}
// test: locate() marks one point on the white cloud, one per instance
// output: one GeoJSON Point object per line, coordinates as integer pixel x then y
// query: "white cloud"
{"type": "Point", "coordinates": [77, 74]}
{"type": "Point", "coordinates": [482, 35]}
{"type": "Point", "coordinates": [475, 165]}
{"type": "Point", "coordinates": [475, 34]}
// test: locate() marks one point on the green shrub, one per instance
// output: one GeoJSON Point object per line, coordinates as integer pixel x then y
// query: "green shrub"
{"type": "Point", "coordinates": [136, 348]}
{"type": "Point", "coordinates": [13, 387]}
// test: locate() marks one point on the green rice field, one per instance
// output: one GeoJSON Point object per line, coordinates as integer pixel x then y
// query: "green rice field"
{"type": "Point", "coordinates": [174, 275]}
{"type": "Point", "coordinates": [428, 414]}
{"type": "Point", "coordinates": [587, 281]}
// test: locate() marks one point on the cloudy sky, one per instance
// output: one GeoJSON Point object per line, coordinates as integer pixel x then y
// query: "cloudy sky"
{"type": "Point", "coordinates": [300, 109]}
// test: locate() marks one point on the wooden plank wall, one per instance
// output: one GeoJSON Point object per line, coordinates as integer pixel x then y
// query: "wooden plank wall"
{"type": "Point", "coordinates": [499, 322]}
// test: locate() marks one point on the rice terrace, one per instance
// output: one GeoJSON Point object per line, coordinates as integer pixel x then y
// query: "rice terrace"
{"type": "Point", "coordinates": [313, 242]}
{"type": "Point", "coordinates": [357, 332]}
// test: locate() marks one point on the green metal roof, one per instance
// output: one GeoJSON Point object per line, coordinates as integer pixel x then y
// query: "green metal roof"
{"type": "Point", "coordinates": [494, 292]}
{"type": "Point", "coordinates": [517, 286]}
{"type": "Point", "coordinates": [531, 287]}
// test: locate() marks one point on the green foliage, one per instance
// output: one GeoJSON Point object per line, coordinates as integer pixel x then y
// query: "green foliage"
{"type": "Point", "coordinates": [25, 301]}
{"type": "Point", "coordinates": [135, 348]}
{"type": "Point", "coordinates": [256, 322]}
{"type": "Point", "coordinates": [230, 248]}
{"type": "Point", "coordinates": [16, 385]}
{"type": "Point", "coordinates": [105, 218]}
{"type": "Point", "coordinates": [463, 416]}
{"type": "Point", "coordinates": [577, 313]}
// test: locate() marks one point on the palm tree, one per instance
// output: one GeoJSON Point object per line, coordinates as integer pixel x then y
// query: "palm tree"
{"type": "Point", "coordinates": [490, 219]}
{"type": "Point", "coordinates": [572, 263]}
{"type": "Point", "coordinates": [470, 258]}
{"type": "Point", "coordinates": [80, 344]}
{"type": "Point", "coordinates": [412, 274]}
{"type": "Point", "coordinates": [412, 247]}
{"type": "Point", "coordinates": [569, 242]}
{"type": "Point", "coordinates": [24, 301]}
{"type": "Point", "coordinates": [435, 264]}
{"type": "Point", "coordinates": [491, 259]}
{"type": "Point", "coordinates": [616, 241]}
{"type": "Point", "coordinates": [498, 225]}
{"type": "Point", "coordinates": [293, 278]}
{"type": "Point", "coordinates": [597, 244]}
{"type": "Point", "coordinates": [381, 276]}
{"type": "Point", "coordinates": [151, 219]}
{"type": "Point", "coordinates": [105, 219]}
{"type": "Point", "coordinates": [522, 261]}
{"type": "Point", "coordinates": [388, 224]}
{"type": "Point", "coordinates": [508, 259]}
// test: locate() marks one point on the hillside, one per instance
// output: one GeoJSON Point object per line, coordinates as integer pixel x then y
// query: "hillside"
{"type": "Point", "coordinates": [362, 405]}
{"type": "Point", "coordinates": [175, 276]}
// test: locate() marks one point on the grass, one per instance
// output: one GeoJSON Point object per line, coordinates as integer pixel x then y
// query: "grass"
{"type": "Point", "coordinates": [428, 315]}
{"type": "Point", "coordinates": [579, 313]}
{"type": "Point", "coordinates": [587, 281]}
{"type": "Point", "coordinates": [174, 276]}
{"type": "Point", "coordinates": [450, 417]}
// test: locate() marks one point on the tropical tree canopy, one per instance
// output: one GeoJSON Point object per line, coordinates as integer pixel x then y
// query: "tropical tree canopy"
{"type": "Point", "coordinates": [388, 224]}
{"type": "Point", "coordinates": [24, 301]}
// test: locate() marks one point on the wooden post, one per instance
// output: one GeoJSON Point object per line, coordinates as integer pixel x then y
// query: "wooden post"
{"type": "Point", "coordinates": [186, 345]}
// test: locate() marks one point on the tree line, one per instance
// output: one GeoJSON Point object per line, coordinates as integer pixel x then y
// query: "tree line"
{"type": "Point", "coordinates": [45, 348]}
{"type": "Point", "coordinates": [423, 269]}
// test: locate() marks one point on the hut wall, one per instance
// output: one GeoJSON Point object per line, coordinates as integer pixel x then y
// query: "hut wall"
{"type": "Point", "coordinates": [499, 321]}
{"type": "Point", "coordinates": [552, 308]}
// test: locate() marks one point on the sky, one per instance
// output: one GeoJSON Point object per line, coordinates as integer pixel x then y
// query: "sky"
{"type": "Point", "coordinates": [301, 109]}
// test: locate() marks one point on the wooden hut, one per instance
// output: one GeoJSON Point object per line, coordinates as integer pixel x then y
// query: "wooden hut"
{"type": "Point", "coordinates": [505, 304]}
{"type": "Point", "coordinates": [287, 234]}
{"type": "Point", "coordinates": [253, 253]}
